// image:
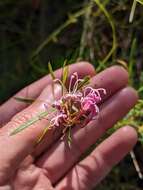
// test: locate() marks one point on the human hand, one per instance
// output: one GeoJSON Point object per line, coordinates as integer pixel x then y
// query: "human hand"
{"type": "Point", "coordinates": [52, 164]}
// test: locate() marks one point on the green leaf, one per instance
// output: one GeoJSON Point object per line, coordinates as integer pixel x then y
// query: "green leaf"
{"type": "Point", "coordinates": [51, 71]}
{"type": "Point", "coordinates": [43, 134]}
{"type": "Point", "coordinates": [132, 59]}
{"type": "Point", "coordinates": [69, 137]}
{"type": "Point", "coordinates": [140, 89]}
{"type": "Point", "coordinates": [31, 121]}
{"type": "Point", "coordinates": [141, 138]}
{"type": "Point", "coordinates": [24, 100]}
{"type": "Point", "coordinates": [65, 72]}
{"type": "Point", "coordinates": [72, 18]}
{"type": "Point", "coordinates": [140, 1]}
{"type": "Point", "coordinates": [133, 11]}
{"type": "Point", "coordinates": [85, 81]}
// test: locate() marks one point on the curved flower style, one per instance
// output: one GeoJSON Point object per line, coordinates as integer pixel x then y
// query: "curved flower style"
{"type": "Point", "coordinates": [77, 105]}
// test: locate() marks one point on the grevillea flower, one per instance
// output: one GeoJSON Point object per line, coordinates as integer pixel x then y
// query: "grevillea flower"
{"type": "Point", "coordinates": [78, 105]}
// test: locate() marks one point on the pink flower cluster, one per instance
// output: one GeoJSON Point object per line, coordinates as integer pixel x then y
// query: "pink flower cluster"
{"type": "Point", "coordinates": [77, 106]}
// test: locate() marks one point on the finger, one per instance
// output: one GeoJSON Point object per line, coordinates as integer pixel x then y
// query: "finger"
{"type": "Point", "coordinates": [112, 79]}
{"type": "Point", "coordinates": [90, 171]}
{"type": "Point", "coordinates": [23, 143]}
{"type": "Point", "coordinates": [111, 111]}
{"type": "Point", "coordinates": [108, 79]}
{"type": "Point", "coordinates": [12, 106]}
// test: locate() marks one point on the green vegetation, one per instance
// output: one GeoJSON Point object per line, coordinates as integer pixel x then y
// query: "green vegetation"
{"type": "Point", "coordinates": [104, 32]}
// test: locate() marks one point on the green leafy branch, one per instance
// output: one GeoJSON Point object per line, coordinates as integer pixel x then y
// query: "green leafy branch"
{"type": "Point", "coordinates": [72, 18]}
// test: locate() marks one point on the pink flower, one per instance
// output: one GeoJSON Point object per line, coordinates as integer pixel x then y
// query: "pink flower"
{"type": "Point", "coordinates": [77, 106]}
{"type": "Point", "coordinates": [89, 107]}
{"type": "Point", "coordinates": [90, 100]}
{"type": "Point", "coordinates": [94, 93]}
{"type": "Point", "coordinates": [58, 119]}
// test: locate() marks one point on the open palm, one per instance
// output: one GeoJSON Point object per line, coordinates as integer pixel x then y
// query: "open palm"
{"type": "Point", "coordinates": [52, 164]}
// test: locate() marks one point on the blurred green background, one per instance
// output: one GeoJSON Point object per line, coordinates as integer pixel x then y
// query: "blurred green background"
{"type": "Point", "coordinates": [34, 32]}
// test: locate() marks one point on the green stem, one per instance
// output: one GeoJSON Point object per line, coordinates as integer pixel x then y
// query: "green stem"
{"type": "Point", "coordinates": [54, 35]}
{"type": "Point", "coordinates": [132, 11]}
{"type": "Point", "coordinates": [110, 20]}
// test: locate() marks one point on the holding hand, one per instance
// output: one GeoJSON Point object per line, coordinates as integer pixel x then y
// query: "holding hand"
{"type": "Point", "coordinates": [52, 164]}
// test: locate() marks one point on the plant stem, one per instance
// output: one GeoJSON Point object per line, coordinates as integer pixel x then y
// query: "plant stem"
{"type": "Point", "coordinates": [132, 11]}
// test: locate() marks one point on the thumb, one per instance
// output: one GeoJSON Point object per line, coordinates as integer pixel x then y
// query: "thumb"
{"type": "Point", "coordinates": [16, 147]}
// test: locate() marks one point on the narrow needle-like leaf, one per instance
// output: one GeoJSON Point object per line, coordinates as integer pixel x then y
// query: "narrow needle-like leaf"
{"type": "Point", "coordinates": [24, 100]}
{"type": "Point", "coordinates": [65, 72]}
{"type": "Point", "coordinates": [85, 81]}
{"type": "Point", "coordinates": [69, 137]}
{"type": "Point", "coordinates": [140, 1]}
{"type": "Point", "coordinates": [51, 71]}
{"type": "Point", "coordinates": [132, 11]}
{"type": "Point", "coordinates": [30, 122]}
{"type": "Point", "coordinates": [43, 134]}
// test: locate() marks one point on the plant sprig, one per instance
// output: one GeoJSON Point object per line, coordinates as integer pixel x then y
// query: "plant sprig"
{"type": "Point", "coordinates": [31, 121]}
